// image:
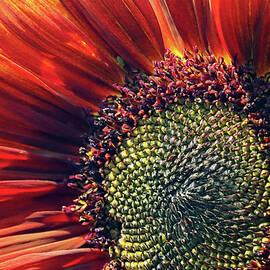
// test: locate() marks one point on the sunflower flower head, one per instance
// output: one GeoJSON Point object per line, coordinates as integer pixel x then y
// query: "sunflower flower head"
{"type": "Point", "coordinates": [176, 169]}
{"type": "Point", "coordinates": [146, 122]}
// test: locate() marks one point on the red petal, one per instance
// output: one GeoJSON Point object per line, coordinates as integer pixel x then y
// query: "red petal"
{"type": "Point", "coordinates": [184, 16]}
{"type": "Point", "coordinates": [187, 23]}
{"type": "Point", "coordinates": [128, 27]}
{"type": "Point", "coordinates": [262, 39]}
{"type": "Point", "coordinates": [18, 164]}
{"type": "Point", "coordinates": [244, 29]}
{"type": "Point", "coordinates": [23, 87]}
{"type": "Point", "coordinates": [37, 117]}
{"type": "Point", "coordinates": [18, 207]}
{"type": "Point", "coordinates": [66, 259]}
{"type": "Point", "coordinates": [26, 229]}
{"type": "Point", "coordinates": [207, 28]}
{"type": "Point", "coordinates": [43, 220]}
{"type": "Point", "coordinates": [171, 38]}
{"type": "Point", "coordinates": [39, 38]}
{"type": "Point", "coordinates": [32, 188]}
{"type": "Point", "coordinates": [49, 240]}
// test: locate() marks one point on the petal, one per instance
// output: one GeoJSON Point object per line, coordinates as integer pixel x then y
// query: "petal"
{"type": "Point", "coordinates": [66, 259]}
{"type": "Point", "coordinates": [30, 222]}
{"type": "Point", "coordinates": [14, 189]}
{"type": "Point", "coordinates": [262, 39]}
{"type": "Point", "coordinates": [39, 220]}
{"type": "Point", "coordinates": [31, 164]}
{"type": "Point", "coordinates": [244, 29]}
{"type": "Point", "coordinates": [209, 38]}
{"type": "Point", "coordinates": [37, 37]}
{"type": "Point", "coordinates": [187, 23]}
{"type": "Point", "coordinates": [129, 27]}
{"type": "Point", "coordinates": [19, 199]}
{"type": "Point", "coordinates": [26, 88]}
{"type": "Point", "coordinates": [61, 238]}
{"type": "Point", "coordinates": [44, 127]}
{"type": "Point", "coordinates": [171, 38]}
{"type": "Point", "coordinates": [184, 17]}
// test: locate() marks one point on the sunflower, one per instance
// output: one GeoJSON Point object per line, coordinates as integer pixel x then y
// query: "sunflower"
{"type": "Point", "coordinates": [134, 134]}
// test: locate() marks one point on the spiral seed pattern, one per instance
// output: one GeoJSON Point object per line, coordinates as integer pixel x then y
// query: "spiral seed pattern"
{"type": "Point", "coordinates": [190, 188]}
{"type": "Point", "coordinates": [174, 172]}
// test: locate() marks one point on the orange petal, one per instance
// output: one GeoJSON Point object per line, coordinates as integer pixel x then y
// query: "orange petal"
{"type": "Point", "coordinates": [171, 37]}
{"type": "Point", "coordinates": [184, 16]}
{"type": "Point", "coordinates": [209, 38]}
{"type": "Point", "coordinates": [65, 259]}
{"type": "Point", "coordinates": [20, 84]}
{"type": "Point", "coordinates": [244, 29]}
{"type": "Point", "coordinates": [30, 146]}
{"type": "Point", "coordinates": [262, 39]}
{"type": "Point", "coordinates": [128, 27]}
{"type": "Point", "coordinates": [16, 189]}
{"type": "Point", "coordinates": [40, 220]}
{"type": "Point", "coordinates": [51, 46]}
{"type": "Point", "coordinates": [25, 242]}
{"type": "Point", "coordinates": [26, 228]}
{"type": "Point", "coordinates": [18, 207]}
{"type": "Point", "coordinates": [49, 240]}
{"type": "Point", "coordinates": [187, 23]}
{"type": "Point", "coordinates": [32, 162]}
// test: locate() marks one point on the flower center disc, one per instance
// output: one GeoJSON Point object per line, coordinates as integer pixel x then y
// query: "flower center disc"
{"type": "Point", "coordinates": [175, 172]}
{"type": "Point", "coordinates": [190, 189]}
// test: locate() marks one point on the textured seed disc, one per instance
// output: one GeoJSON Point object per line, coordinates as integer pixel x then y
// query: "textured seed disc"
{"type": "Point", "coordinates": [190, 189]}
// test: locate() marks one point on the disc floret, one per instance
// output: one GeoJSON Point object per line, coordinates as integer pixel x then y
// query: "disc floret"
{"type": "Point", "coordinates": [175, 173]}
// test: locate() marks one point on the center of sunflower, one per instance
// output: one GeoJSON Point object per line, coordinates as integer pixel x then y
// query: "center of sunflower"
{"type": "Point", "coordinates": [175, 174]}
{"type": "Point", "coordinates": [188, 187]}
